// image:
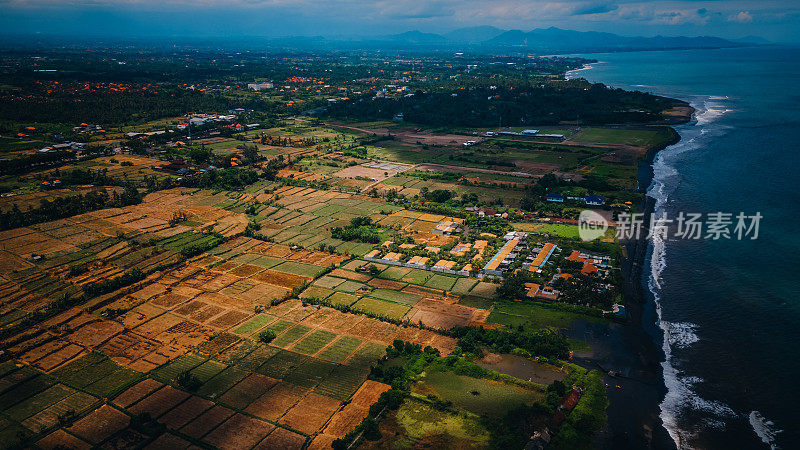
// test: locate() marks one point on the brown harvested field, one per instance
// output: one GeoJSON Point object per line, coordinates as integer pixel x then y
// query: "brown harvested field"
{"type": "Point", "coordinates": [157, 325]}
{"type": "Point", "coordinates": [261, 294]}
{"type": "Point", "coordinates": [60, 439]}
{"type": "Point", "coordinates": [248, 389]}
{"type": "Point", "coordinates": [201, 425]}
{"type": "Point", "coordinates": [219, 282]}
{"type": "Point", "coordinates": [437, 319]}
{"type": "Point", "coordinates": [159, 401]}
{"type": "Point", "coordinates": [137, 392]}
{"type": "Point", "coordinates": [168, 441]}
{"type": "Point", "coordinates": [95, 333]}
{"type": "Point", "coordinates": [356, 410]}
{"type": "Point", "coordinates": [281, 279]}
{"type": "Point", "coordinates": [37, 352]}
{"type": "Point", "coordinates": [224, 267]}
{"type": "Point", "coordinates": [170, 300]}
{"type": "Point", "coordinates": [185, 412]}
{"type": "Point", "coordinates": [127, 347]}
{"type": "Point", "coordinates": [413, 137]}
{"type": "Point", "coordinates": [239, 432]}
{"type": "Point", "coordinates": [445, 315]}
{"type": "Point", "coordinates": [100, 424]}
{"type": "Point", "coordinates": [363, 171]}
{"type": "Point", "coordinates": [350, 275]}
{"type": "Point", "coordinates": [274, 403]}
{"type": "Point", "coordinates": [139, 315]}
{"type": "Point", "coordinates": [310, 414]}
{"type": "Point", "coordinates": [58, 358]}
{"type": "Point", "coordinates": [185, 334]}
{"type": "Point", "coordinates": [206, 312]}
{"type": "Point", "coordinates": [283, 439]}
{"type": "Point", "coordinates": [246, 270]}
{"type": "Point", "coordinates": [222, 300]}
{"type": "Point", "coordinates": [386, 284]}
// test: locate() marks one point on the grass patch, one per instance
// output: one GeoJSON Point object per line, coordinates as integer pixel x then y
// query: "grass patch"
{"type": "Point", "coordinates": [534, 315]}
{"type": "Point", "coordinates": [478, 396]}
{"type": "Point", "coordinates": [395, 296]}
{"type": "Point", "coordinates": [314, 342]}
{"type": "Point", "coordinates": [341, 349]}
{"type": "Point", "coordinates": [254, 324]}
{"type": "Point", "coordinates": [382, 307]}
{"type": "Point", "coordinates": [291, 335]}
{"type": "Point", "coordinates": [442, 282]}
{"type": "Point", "coordinates": [296, 268]}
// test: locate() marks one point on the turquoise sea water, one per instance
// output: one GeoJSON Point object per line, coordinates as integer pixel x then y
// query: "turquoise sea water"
{"type": "Point", "coordinates": [727, 312]}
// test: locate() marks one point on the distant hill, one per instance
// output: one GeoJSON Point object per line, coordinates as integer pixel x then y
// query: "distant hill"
{"type": "Point", "coordinates": [753, 40]}
{"type": "Point", "coordinates": [414, 37]}
{"type": "Point", "coordinates": [558, 39]}
{"type": "Point", "coordinates": [491, 39]}
{"type": "Point", "coordinates": [473, 35]}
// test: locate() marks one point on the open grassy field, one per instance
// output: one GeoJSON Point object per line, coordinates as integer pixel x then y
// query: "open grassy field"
{"type": "Point", "coordinates": [535, 315]}
{"type": "Point", "coordinates": [419, 424]}
{"type": "Point", "coordinates": [478, 396]}
{"type": "Point", "coordinates": [637, 137]}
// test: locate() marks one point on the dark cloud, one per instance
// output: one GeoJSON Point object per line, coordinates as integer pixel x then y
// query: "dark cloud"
{"type": "Point", "coordinates": [729, 18]}
{"type": "Point", "coordinates": [599, 8]}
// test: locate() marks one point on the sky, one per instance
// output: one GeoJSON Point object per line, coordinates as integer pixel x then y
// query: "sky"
{"type": "Point", "coordinates": [775, 20]}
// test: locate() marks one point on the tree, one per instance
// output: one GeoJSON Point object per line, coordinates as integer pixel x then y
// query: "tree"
{"type": "Point", "coordinates": [266, 336]}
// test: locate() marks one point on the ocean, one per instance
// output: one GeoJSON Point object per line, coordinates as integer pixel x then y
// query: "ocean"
{"type": "Point", "coordinates": [725, 312]}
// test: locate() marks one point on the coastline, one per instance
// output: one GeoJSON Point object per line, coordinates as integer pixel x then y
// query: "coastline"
{"type": "Point", "coordinates": [633, 349]}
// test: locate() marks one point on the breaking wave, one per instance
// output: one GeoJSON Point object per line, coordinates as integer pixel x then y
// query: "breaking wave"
{"type": "Point", "coordinates": [681, 396]}
{"type": "Point", "coordinates": [765, 429]}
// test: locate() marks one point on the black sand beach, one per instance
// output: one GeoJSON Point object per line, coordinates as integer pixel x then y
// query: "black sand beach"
{"type": "Point", "coordinates": [630, 350]}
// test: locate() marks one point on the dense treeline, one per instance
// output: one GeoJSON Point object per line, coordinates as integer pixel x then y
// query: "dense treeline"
{"type": "Point", "coordinates": [588, 416]}
{"type": "Point", "coordinates": [26, 163]}
{"type": "Point", "coordinates": [360, 229]}
{"type": "Point", "coordinates": [61, 207]}
{"type": "Point", "coordinates": [112, 284]}
{"type": "Point", "coordinates": [537, 343]}
{"type": "Point", "coordinates": [116, 107]}
{"type": "Point", "coordinates": [483, 106]}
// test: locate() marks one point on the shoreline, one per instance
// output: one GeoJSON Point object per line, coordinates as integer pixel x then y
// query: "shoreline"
{"type": "Point", "coordinates": [632, 349]}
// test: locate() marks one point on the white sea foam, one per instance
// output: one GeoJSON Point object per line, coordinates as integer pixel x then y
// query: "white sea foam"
{"type": "Point", "coordinates": [680, 396]}
{"type": "Point", "coordinates": [576, 73]}
{"type": "Point", "coordinates": [764, 428]}
{"type": "Point", "coordinates": [682, 334]}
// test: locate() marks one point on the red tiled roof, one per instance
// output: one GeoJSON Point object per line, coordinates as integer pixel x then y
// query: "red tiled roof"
{"type": "Point", "coordinates": [588, 268]}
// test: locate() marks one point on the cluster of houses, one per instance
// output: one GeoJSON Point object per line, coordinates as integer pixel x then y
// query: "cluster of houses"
{"type": "Point", "coordinates": [134, 134]}
{"type": "Point", "coordinates": [405, 257]}
{"type": "Point", "coordinates": [589, 199]}
{"type": "Point", "coordinates": [260, 85]}
{"type": "Point", "coordinates": [485, 211]}
{"type": "Point", "coordinates": [447, 227]}
{"type": "Point", "coordinates": [183, 167]}
{"type": "Point", "coordinates": [592, 264]}
{"type": "Point", "coordinates": [64, 146]}
{"type": "Point", "coordinates": [203, 119]}
{"type": "Point", "coordinates": [88, 128]}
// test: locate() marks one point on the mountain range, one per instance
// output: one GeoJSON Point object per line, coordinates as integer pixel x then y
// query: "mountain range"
{"type": "Point", "coordinates": [543, 40]}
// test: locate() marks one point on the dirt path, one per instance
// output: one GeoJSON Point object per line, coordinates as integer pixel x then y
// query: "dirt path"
{"type": "Point", "coordinates": [577, 144]}
{"type": "Point", "coordinates": [462, 169]}
{"type": "Point", "coordinates": [412, 137]}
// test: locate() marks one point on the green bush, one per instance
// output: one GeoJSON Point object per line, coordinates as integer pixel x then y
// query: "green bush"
{"type": "Point", "coordinates": [266, 336]}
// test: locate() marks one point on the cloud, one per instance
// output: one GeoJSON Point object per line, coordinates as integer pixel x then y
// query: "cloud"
{"type": "Point", "coordinates": [742, 17]}
{"type": "Point", "coordinates": [594, 8]}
